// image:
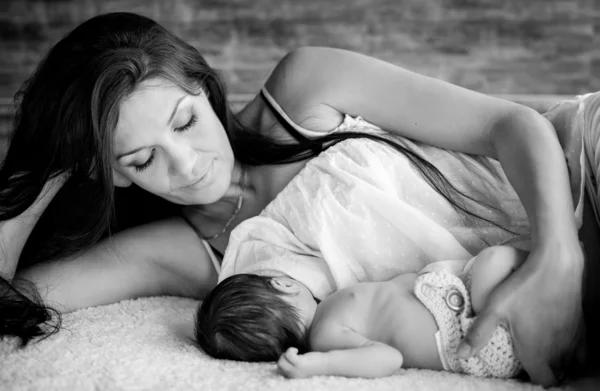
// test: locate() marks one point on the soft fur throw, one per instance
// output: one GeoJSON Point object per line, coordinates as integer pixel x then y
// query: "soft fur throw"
{"type": "Point", "coordinates": [145, 344]}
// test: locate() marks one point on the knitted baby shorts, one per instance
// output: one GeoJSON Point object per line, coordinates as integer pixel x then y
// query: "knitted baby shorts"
{"type": "Point", "coordinates": [446, 297]}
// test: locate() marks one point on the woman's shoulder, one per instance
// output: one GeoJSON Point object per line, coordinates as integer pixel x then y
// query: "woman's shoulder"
{"type": "Point", "coordinates": [300, 77]}
{"type": "Point", "coordinates": [301, 91]}
{"type": "Point", "coordinates": [295, 91]}
{"type": "Point", "coordinates": [295, 71]}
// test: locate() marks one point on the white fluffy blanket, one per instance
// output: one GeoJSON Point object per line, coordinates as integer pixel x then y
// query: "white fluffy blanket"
{"type": "Point", "coordinates": [145, 344]}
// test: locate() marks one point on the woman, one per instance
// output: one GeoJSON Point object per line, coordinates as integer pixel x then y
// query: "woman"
{"type": "Point", "coordinates": [120, 101]}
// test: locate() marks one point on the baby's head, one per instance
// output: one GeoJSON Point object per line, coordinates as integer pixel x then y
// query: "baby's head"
{"type": "Point", "coordinates": [255, 318]}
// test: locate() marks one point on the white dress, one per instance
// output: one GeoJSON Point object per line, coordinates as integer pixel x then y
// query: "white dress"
{"type": "Point", "coordinates": [361, 211]}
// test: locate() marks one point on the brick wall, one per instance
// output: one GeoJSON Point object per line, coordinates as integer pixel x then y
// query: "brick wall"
{"type": "Point", "coordinates": [494, 46]}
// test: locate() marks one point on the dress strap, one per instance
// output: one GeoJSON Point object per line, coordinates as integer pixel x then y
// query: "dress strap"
{"type": "Point", "coordinates": [212, 253]}
{"type": "Point", "coordinates": [298, 132]}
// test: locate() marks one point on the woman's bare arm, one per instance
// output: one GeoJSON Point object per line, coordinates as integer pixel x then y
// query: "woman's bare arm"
{"type": "Point", "coordinates": [14, 232]}
{"type": "Point", "coordinates": [326, 83]}
{"type": "Point", "coordinates": [161, 258]}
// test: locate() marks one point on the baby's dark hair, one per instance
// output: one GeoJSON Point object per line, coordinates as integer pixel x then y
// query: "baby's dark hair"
{"type": "Point", "coordinates": [244, 318]}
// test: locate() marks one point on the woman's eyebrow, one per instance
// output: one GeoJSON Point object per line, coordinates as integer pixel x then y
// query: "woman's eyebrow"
{"type": "Point", "coordinates": [129, 153]}
{"type": "Point", "coordinates": [175, 109]}
{"type": "Point", "coordinates": [168, 124]}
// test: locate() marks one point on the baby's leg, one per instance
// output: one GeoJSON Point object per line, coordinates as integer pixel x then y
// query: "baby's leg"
{"type": "Point", "coordinates": [490, 268]}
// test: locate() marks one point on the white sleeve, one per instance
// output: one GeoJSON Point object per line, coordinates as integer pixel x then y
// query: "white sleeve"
{"type": "Point", "coordinates": [262, 246]}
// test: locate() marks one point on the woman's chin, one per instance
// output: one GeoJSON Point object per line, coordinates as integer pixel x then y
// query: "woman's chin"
{"type": "Point", "coordinates": [206, 195]}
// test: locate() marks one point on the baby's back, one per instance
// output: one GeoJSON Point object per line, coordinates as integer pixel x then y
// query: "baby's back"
{"type": "Point", "coordinates": [390, 313]}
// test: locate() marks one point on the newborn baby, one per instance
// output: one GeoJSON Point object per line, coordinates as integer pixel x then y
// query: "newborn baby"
{"type": "Point", "coordinates": [366, 330]}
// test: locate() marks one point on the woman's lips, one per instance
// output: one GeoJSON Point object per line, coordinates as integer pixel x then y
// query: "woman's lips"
{"type": "Point", "coordinates": [203, 178]}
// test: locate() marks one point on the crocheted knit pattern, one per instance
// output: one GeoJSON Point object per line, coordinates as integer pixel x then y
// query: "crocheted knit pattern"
{"type": "Point", "coordinates": [446, 297]}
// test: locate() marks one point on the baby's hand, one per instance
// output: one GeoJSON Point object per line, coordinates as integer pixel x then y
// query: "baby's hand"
{"type": "Point", "coordinates": [294, 365]}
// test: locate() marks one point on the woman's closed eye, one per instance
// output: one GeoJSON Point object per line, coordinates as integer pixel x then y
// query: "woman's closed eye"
{"type": "Point", "coordinates": [190, 123]}
{"type": "Point", "coordinates": [147, 163]}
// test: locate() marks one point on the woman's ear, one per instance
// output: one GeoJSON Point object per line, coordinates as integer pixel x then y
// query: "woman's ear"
{"type": "Point", "coordinates": [284, 285]}
{"type": "Point", "coordinates": [120, 180]}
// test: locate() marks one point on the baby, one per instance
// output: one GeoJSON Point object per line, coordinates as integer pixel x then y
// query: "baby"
{"type": "Point", "coordinates": [366, 330]}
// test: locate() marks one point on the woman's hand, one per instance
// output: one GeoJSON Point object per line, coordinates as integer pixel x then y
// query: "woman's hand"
{"type": "Point", "coordinates": [541, 305]}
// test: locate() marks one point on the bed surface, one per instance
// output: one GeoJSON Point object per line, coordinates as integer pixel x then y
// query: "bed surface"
{"type": "Point", "coordinates": [145, 344]}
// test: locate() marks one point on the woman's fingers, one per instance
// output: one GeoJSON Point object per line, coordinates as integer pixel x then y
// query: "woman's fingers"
{"type": "Point", "coordinates": [547, 339]}
{"type": "Point", "coordinates": [530, 350]}
{"type": "Point", "coordinates": [479, 334]}
{"type": "Point", "coordinates": [540, 304]}
{"type": "Point", "coordinates": [488, 320]}
{"type": "Point", "coordinates": [538, 369]}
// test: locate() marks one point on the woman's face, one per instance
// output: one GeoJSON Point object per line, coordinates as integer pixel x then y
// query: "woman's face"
{"type": "Point", "coordinates": [172, 144]}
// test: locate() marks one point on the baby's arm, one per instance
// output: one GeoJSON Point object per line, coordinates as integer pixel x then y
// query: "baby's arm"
{"type": "Point", "coordinates": [490, 267]}
{"type": "Point", "coordinates": [340, 351]}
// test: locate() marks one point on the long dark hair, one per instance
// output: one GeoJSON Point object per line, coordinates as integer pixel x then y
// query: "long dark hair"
{"type": "Point", "coordinates": [65, 114]}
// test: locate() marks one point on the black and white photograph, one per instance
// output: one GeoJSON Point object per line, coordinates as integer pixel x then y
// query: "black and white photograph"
{"type": "Point", "coordinates": [299, 195]}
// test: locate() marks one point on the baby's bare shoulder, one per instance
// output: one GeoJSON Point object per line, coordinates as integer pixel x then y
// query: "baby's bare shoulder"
{"type": "Point", "coordinates": [343, 306]}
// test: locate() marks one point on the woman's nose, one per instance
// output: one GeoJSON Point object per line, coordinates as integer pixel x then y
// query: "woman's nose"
{"type": "Point", "coordinates": [183, 160]}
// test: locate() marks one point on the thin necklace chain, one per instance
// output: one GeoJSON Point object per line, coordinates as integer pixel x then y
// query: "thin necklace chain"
{"type": "Point", "coordinates": [240, 203]}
